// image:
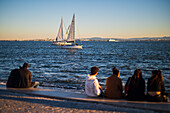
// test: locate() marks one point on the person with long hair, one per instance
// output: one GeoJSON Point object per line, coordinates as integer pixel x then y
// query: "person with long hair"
{"type": "Point", "coordinates": [136, 86]}
{"type": "Point", "coordinates": [156, 87]}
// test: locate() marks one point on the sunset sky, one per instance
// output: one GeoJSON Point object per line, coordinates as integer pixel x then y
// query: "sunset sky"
{"type": "Point", "coordinates": [38, 19]}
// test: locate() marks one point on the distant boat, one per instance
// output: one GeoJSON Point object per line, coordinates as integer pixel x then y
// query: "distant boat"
{"type": "Point", "coordinates": [59, 39]}
{"type": "Point", "coordinates": [71, 37]}
{"type": "Point", "coordinates": [112, 40]}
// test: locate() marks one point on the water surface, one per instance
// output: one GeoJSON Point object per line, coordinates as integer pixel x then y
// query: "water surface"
{"type": "Point", "coordinates": [61, 68]}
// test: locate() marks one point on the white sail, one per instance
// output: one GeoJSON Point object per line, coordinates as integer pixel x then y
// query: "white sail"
{"type": "Point", "coordinates": [60, 32]}
{"type": "Point", "coordinates": [71, 35]}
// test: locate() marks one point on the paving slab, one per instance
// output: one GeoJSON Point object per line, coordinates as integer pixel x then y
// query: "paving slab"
{"type": "Point", "coordinates": [82, 97]}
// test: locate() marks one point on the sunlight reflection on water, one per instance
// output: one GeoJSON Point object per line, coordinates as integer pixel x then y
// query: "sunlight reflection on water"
{"type": "Point", "coordinates": [56, 67]}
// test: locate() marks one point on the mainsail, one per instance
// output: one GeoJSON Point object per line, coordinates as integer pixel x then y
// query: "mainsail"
{"type": "Point", "coordinates": [60, 32]}
{"type": "Point", "coordinates": [71, 35]}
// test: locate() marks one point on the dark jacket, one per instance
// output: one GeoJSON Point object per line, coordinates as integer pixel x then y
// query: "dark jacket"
{"type": "Point", "coordinates": [19, 78]}
{"type": "Point", "coordinates": [24, 78]}
{"type": "Point", "coordinates": [13, 79]}
{"type": "Point", "coordinates": [136, 89]}
{"type": "Point", "coordinates": [155, 86]}
{"type": "Point", "coordinates": [114, 87]}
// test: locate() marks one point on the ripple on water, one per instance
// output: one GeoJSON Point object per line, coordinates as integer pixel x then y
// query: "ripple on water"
{"type": "Point", "coordinates": [56, 67]}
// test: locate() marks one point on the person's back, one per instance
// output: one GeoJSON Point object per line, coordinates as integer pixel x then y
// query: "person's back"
{"type": "Point", "coordinates": [136, 90]}
{"type": "Point", "coordinates": [156, 88]}
{"type": "Point", "coordinates": [12, 81]}
{"type": "Point", "coordinates": [136, 86]}
{"type": "Point", "coordinates": [92, 87]}
{"type": "Point", "coordinates": [25, 78]}
{"type": "Point", "coordinates": [114, 86]}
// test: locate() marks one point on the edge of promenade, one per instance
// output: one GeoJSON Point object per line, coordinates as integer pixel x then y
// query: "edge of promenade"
{"type": "Point", "coordinates": [82, 97]}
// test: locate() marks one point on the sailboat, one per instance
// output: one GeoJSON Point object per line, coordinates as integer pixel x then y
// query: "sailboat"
{"type": "Point", "coordinates": [71, 37]}
{"type": "Point", "coordinates": [59, 39]}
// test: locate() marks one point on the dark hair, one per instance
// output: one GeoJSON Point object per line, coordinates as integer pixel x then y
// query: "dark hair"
{"type": "Point", "coordinates": [137, 74]}
{"type": "Point", "coordinates": [115, 71]}
{"type": "Point", "coordinates": [25, 65]}
{"type": "Point", "coordinates": [94, 70]}
{"type": "Point", "coordinates": [160, 75]}
{"type": "Point", "coordinates": [157, 76]}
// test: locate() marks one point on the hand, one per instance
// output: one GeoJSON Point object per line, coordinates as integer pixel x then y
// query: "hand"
{"type": "Point", "coordinates": [100, 87]}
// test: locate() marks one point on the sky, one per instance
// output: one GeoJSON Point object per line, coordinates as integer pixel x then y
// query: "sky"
{"type": "Point", "coordinates": [39, 19]}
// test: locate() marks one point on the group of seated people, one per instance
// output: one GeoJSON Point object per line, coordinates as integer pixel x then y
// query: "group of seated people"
{"type": "Point", "coordinates": [134, 88]}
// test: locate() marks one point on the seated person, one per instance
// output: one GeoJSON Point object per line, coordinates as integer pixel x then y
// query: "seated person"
{"type": "Point", "coordinates": [21, 78]}
{"type": "Point", "coordinates": [92, 87]}
{"type": "Point", "coordinates": [136, 86]}
{"type": "Point", "coordinates": [13, 79]}
{"type": "Point", "coordinates": [156, 87]}
{"type": "Point", "coordinates": [114, 86]}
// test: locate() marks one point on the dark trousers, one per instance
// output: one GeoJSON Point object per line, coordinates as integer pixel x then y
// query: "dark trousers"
{"type": "Point", "coordinates": [156, 98]}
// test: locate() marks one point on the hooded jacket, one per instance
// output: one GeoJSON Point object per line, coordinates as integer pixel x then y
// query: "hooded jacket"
{"type": "Point", "coordinates": [92, 86]}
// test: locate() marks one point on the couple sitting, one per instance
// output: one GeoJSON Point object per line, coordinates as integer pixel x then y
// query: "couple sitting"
{"type": "Point", "coordinates": [21, 78]}
{"type": "Point", "coordinates": [114, 87]}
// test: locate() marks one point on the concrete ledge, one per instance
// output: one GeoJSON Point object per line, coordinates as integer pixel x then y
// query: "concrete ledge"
{"type": "Point", "coordinates": [81, 97]}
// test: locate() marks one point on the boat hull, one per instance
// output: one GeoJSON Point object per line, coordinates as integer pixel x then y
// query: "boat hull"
{"type": "Point", "coordinates": [72, 46]}
{"type": "Point", "coordinates": [112, 40]}
{"type": "Point", "coordinates": [61, 43]}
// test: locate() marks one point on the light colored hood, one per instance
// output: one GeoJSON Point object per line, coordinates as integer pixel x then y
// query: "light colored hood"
{"type": "Point", "coordinates": [92, 86]}
{"type": "Point", "coordinates": [90, 78]}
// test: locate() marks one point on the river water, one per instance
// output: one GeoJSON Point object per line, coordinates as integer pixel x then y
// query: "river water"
{"type": "Point", "coordinates": [54, 67]}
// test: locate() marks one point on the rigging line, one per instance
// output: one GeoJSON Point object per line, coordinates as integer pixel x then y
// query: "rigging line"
{"type": "Point", "coordinates": [78, 32]}
{"type": "Point", "coordinates": [66, 31]}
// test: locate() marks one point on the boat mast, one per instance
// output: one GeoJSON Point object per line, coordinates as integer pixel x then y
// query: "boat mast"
{"type": "Point", "coordinates": [74, 27]}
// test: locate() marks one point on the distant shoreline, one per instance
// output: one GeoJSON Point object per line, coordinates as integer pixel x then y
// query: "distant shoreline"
{"type": "Point", "coordinates": [120, 40]}
{"type": "Point", "coordinates": [106, 39]}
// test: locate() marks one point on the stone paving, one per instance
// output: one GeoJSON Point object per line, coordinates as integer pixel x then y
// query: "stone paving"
{"type": "Point", "coordinates": [18, 103]}
{"type": "Point", "coordinates": [76, 98]}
